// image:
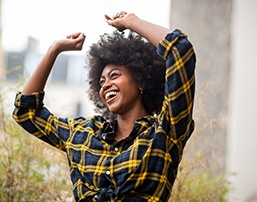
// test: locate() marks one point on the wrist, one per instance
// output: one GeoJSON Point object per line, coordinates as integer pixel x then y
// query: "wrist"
{"type": "Point", "coordinates": [132, 22]}
{"type": "Point", "coordinates": [55, 49]}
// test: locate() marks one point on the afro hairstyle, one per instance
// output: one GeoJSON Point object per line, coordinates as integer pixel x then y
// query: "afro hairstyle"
{"type": "Point", "coordinates": [135, 53]}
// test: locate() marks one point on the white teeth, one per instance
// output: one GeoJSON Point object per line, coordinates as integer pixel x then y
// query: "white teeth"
{"type": "Point", "coordinates": [109, 94]}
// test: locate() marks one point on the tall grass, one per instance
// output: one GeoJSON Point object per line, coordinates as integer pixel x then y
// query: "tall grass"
{"type": "Point", "coordinates": [198, 179]}
{"type": "Point", "coordinates": [202, 174]}
{"type": "Point", "coordinates": [30, 170]}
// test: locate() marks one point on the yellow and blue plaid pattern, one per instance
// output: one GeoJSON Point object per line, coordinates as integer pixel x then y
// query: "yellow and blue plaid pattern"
{"type": "Point", "coordinates": [143, 166]}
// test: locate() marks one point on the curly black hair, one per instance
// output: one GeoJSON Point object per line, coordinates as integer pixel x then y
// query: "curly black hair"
{"type": "Point", "coordinates": [135, 53]}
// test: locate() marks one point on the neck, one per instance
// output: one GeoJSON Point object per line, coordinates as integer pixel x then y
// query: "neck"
{"type": "Point", "coordinates": [125, 123]}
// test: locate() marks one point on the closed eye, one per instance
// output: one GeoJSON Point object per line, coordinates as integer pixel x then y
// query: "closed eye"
{"type": "Point", "coordinates": [101, 82]}
{"type": "Point", "coordinates": [114, 75]}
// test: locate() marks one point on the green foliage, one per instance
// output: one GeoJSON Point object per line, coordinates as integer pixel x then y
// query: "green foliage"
{"type": "Point", "coordinates": [198, 182]}
{"type": "Point", "coordinates": [30, 170]}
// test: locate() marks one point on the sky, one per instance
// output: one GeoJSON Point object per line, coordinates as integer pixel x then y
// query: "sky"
{"type": "Point", "coordinates": [50, 20]}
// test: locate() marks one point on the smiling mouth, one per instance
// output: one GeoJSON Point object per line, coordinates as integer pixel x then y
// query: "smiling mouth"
{"type": "Point", "coordinates": [111, 94]}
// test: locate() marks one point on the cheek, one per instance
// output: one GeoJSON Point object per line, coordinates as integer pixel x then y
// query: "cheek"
{"type": "Point", "coordinates": [101, 94]}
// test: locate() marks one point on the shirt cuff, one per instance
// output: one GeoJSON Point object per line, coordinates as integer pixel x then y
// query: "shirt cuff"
{"type": "Point", "coordinates": [34, 100]}
{"type": "Point", "coordinates": [166, 44]}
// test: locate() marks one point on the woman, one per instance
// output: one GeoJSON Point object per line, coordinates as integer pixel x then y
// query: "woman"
{"type": "Point", "coordinates": [135, 155]}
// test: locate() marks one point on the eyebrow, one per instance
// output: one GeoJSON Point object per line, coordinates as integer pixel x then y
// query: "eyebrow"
{"type": "Point", "coordinates": [109, 72]}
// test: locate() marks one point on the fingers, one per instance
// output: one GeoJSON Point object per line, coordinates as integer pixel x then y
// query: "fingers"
{"type": "Point", "coordinates": [75, 42]}
{"type": "Point", "coordinates": [72, 36]}
{"type": "Point", "coordinates": [79, 41]}
{"type": "Point", "coordinates": [118, 15]}
{"type": "Point", "coordinates": [116, 21]}
{"type": "Point", "coordinates": [122, 14]}
{"type": "Point", "coordinates": [81, 38]}
{"type": "Point", "coordinates": [82, 35]}
{"type": "Point", "coordinates": [107, 17]}
{"type": "Point", "coordinates": [75, 35]}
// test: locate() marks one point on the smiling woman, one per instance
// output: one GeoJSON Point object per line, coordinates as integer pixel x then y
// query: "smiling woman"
{"type": "Point", "coordinates": [146, 79]}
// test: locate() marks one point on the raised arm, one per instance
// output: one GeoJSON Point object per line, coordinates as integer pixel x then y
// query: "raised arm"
{"type": "Point", "coordinates": [38, 79]}
{"type": "Point", "coordinates": [176, 49]}
{"type": "Point", "coordinates": [152, 32]}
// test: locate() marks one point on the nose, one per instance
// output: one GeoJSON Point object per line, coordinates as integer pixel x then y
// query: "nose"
{"type": "Point", "coordinates": [107, 84]}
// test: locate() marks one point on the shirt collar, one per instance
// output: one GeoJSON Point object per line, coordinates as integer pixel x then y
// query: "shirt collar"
{"type": "Point", "coordinates": [140, 125]}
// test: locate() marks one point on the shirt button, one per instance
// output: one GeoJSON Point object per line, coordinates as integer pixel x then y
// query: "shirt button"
{"type": "Point", "coordinates": [116, 149]}
{"type": "Point", "coordinates": [108, 172]}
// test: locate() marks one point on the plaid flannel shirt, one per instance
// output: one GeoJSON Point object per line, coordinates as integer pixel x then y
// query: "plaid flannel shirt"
{"type": "Point", "coordinates": [141, 167]}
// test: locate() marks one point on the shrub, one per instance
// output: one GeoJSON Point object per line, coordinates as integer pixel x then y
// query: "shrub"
{"type": "Point", "coordinates": [202, 176]}
{"type": "Point", "coordinates": [30, 170]}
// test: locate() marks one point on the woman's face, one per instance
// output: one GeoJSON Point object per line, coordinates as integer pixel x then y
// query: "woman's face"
{"type": "Point", "coordinates": [119, 91]}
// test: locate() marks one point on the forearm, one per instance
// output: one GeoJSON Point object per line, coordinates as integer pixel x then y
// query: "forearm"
{"type": "Point", "coordinates": [152, 32]}
{"type": "Point", "coordinates": [39, 78]}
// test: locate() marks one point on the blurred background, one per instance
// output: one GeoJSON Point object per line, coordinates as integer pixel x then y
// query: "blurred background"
{"type": "Point", "coordinates": [222, 153]}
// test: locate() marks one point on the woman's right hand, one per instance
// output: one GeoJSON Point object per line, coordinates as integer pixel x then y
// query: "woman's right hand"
{"type": "Point", "coordinates": [72, 42]}
{"type": "Point", "coordinates": [38, 79]}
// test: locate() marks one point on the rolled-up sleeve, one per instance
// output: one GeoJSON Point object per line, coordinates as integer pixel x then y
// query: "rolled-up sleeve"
{"type": "Point", "coordinates": [31, 115]}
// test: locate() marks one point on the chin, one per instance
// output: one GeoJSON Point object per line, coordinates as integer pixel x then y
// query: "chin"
{"type": "Point", "coordinates": [114, 110]}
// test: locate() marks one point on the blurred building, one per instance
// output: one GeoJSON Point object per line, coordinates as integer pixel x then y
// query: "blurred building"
{"type": "Point", "coordinates": [67, 86]}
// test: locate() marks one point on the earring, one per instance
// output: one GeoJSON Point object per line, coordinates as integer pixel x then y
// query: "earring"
{"type": "Point", "coordinates": [141, 91]}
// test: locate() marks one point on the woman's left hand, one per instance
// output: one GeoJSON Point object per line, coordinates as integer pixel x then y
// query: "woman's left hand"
{"type": "Point", "coordinates": [120, 21]}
